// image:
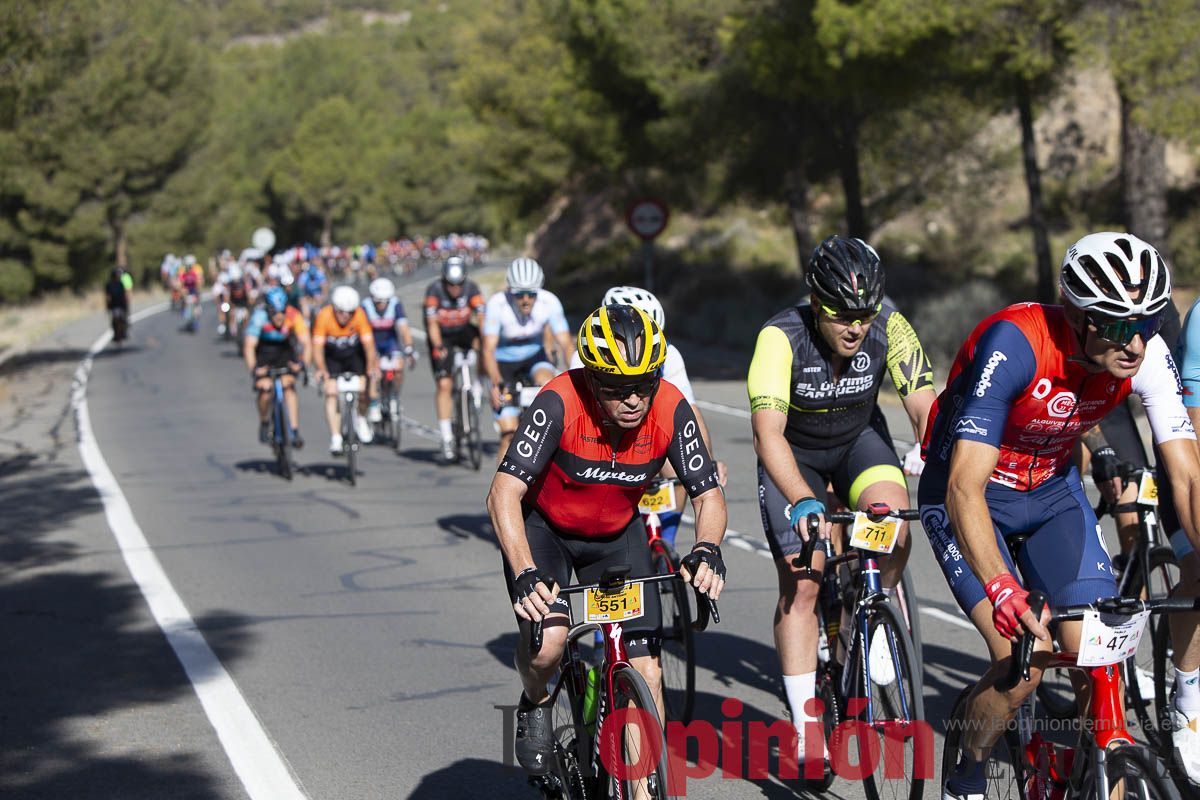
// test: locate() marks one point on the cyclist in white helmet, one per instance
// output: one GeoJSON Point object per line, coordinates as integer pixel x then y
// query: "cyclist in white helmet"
{"type": "Point", "coordinates": [515, 322]}
{"type": "Point", "coordinates": [673, 370]}
{"type": "Point", "coordinates": [343, 342]}
{"type": "Point", "coordinates": [385, 312]}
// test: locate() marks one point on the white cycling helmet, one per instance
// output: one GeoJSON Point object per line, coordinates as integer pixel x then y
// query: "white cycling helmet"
{"type": "Point", "coordinates": [286, 278]}
{"type": "Point", "coordinates": [189, 259]}
{"type": "Point", "coordinates": [525, 275]}
{"type": "Point", "coordinates": [344, 298]}
{"type": "Point", "coordinates": [235, 272]}
{"type": "Point", "coordinates": [382, 290]}
{"type": "Point", "coordinates": [454, 271]}
{"type": "Point", "coordinates": [638, 298]}
{"type": "Point", "coordinates": [1103, 271]}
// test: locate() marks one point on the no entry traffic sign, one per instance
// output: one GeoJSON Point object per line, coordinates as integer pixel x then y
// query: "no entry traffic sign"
{"type": "Point", "coordinates": [647, 217]}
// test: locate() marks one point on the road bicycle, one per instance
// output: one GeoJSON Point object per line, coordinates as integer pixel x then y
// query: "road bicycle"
{"type": "Point", "coordinates": [191, 313]}
{"type": "Point", "coordinates": [888, 704]}
{"type": "Point", "coordinates": [1105, 762]}
{"type": "Point", "coordinates": [1150, 570]}
{"type": "Point", "coordinates": [390, 426]}
{"type": "Point", "coordinates": [585, 697]}
{"type": "Point", "coordinates": [349, 387]}
{"type": "Point", "coordinates": [468, 399]}
{"type": "Point", "coordinates": [678, 654]}
{"type": "Point", "coordinates": [282, 424]}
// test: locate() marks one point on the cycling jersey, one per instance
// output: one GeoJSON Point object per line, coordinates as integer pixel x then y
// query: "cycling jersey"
{"type": "Point", "coordinates": [1189, 357]}
{"type": "Point", "coordinates": [1019, 385]}
{"type": "Point", "coordinates": [792, 372]}
{"type": "Point", "coordinates": [384, 323]}
{"type": "Point", "coordinates": [453, 314]}
{"type": "Point", "coordinates": [520, 335]}
{"type": "Point", "coordinates": [262, 328]}
{"type": "Point", "coordinates": [312, 282]}
{"type": "Point", "coordinates": [340, 339]}
{"type": "Point", "coordinates": [190, 280]}
{"type": "Point", "coordinates": [583, 483]}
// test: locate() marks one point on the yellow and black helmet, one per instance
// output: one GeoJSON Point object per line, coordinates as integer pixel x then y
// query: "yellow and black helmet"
{"type": "Point", "coordinates": [643, 342]}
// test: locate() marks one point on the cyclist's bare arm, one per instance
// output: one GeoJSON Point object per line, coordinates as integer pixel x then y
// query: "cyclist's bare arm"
{"type": "Point", "coordinates": [917, 405]}
{"type": "Point", "coordinates": [490, 366]}
{"type": "Point", "coordinates": [249, 352]}
{"type": "Point", "coordinates": [434, 331]}
{"type": "Point", "coordinates": [711, 519]}
{"type": "Point", "coordinates": [1180, 458]}
{"type": "Point", "coordinates": [971, 466]}
{"type": "Point", "coordinates": [775, 453]}
{"type": "Point", "coordinates": [566, 346]}
{"type": "Point", "coordinates": [504, 507]}
{"type": "Point", "coordinates": [405, 333]}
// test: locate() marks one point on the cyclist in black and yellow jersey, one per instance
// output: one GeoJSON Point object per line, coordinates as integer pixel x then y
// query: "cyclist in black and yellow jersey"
{"type": "Point", "coordinates": [813, 382]}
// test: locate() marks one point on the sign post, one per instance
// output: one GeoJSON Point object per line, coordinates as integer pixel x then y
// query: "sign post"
{"type": "Point", "coordinates": [647, 218]}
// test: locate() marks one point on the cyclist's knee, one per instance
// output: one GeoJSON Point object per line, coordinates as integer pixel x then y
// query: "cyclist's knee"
{"type": "Point", "coordinates": [554, 641]}
{"type": "Point", "coordinates": [650, 668]}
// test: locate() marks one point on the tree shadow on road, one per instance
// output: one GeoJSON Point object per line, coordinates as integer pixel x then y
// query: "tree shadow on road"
{"type": "Point", "coordinates": [39, 496]}
{"type": "Point", "coordinates": [44, 357]}
{"type": "Point", "coordinates": [86, 653]}
{"type": "Point", "coordinates": [474, 779]}
{"type": "Point", "coordinates": [466, 526]}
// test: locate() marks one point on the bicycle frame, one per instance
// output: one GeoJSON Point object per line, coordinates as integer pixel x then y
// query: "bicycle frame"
{"type": "Point", "coordinates": [868, 594]}
{"type": "Point", "coordinates": [279, 413]}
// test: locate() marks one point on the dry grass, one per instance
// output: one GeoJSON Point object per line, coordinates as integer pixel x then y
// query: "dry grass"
{"type": "Point", "coordinates": [22, 325]}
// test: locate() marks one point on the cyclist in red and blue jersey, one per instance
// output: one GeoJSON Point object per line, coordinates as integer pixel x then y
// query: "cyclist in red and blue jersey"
{"type": "Point", "coordinates": [276, 337]}
{"type": "Point", "coordinates": [1027, 383]}
{"type": "Point", "coordinates": [565, 498]}
{"type": "Point", "coordinates": [385, 312]}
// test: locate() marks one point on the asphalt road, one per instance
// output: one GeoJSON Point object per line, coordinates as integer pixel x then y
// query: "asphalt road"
{"type": "Point", "coordinates": [367, 628]}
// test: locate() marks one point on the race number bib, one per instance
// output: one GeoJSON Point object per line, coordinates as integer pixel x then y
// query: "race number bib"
{"type": "Point", "coordinates": [388, 362]}
{"type": "Point", "coordinates": [352, 383]}
{"type": "Point", "coordinates": [602, 605]}
{"type": "Point", "coordinates": [1148, 489]}
{"type": "Point", "coordinates": [658, 500]}
{"type": "Point", "coordinates": [1103, 644]}
{"type": "Point", "coordinates": [879, 537]}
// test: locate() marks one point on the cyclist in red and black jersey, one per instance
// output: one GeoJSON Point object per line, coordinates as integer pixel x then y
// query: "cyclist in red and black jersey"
{"type": "Point", "coordinates": [565, 498]}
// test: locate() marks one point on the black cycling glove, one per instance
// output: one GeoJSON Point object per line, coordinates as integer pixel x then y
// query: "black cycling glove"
{"type": "Point", "coordinates": [704, 553]}
{"type": "Point", "coordinates": [1105, 465]}
{"type": "Point", "coordinates": [526, 583]}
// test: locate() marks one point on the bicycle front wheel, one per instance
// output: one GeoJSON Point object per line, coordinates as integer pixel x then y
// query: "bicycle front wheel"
{"type": "Point", "coordinates": [474, 434]}
{"type": "Point", "coordinates": [637, 760]}
{"type": "Point", "coordinates": [1147, 698]}
{"type": "Point", "coordinates": [1135, 773]}
{"type": "Point", "coordinates": [902, 757]}
{"type": "Point", "coordinates": [1005, 768]}
{"type": "Point", "coordinates": [907, 603]}
{"type": "Point", "coordinates": [283, 441]}
{"type": "Point", "coordinates": [678, 655]}
{"type": "Point", "coordinates": [350, 442]}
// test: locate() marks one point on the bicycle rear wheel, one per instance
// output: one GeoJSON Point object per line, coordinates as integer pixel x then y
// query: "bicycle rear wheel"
{"type": "Point", "coordinates": [1146, 698]}
{"type": "Point", "coordinates": [905, 759]}
{"type": "Point", "coordinates": [283, 441]}
{"type": "Point", "coordinates": [1005, 770]}
{"type": "Point", "coordinates": [678, 655]}
{"type": "Point", "coordinates": [350, 441]}
{"type": "Point", "coordinates": [1139, 774]}
{"type": "Point", "coordinates": [907, 603]}
{"type": "Point", "coordinates": [474, 434]}
{"type": "Point", "coordinates": [639, 756]}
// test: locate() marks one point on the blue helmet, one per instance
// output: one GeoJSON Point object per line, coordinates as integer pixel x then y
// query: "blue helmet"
{"type": "Point", "coordinates": [276, 299]}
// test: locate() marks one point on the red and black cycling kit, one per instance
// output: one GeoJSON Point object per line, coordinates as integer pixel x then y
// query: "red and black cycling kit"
{"type": "Point", "coordinates": [586, 476]}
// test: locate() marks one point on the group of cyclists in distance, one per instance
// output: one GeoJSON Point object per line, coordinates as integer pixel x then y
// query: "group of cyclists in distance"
{"type": "Point", "coordinates": [1033, 391]}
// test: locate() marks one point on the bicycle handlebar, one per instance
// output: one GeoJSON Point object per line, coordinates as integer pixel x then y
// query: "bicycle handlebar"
{"type": "Point", "coordinates": [1018, 668]}
{"type": "Point", "coordinates": [1128, 473]}
{"type": "Point", "coordinates": [704, 610]}
{"type": "Point", "coordinates": [878, 512]}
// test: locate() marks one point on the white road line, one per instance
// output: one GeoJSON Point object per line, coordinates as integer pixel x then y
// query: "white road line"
{"type": "Point", "coordinates": [723, 409]}
{"type": "Point", "coordinates": [953, 619]}
{"type": "Point", "coordinates": [257, 762]}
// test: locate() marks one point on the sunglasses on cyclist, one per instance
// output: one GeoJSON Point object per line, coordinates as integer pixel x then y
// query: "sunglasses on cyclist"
{"type": "Point", "coordinates": [619, 391]}
{"type": "Point", "coordinates": [844, 317]}
{"type": "Point", "coordinates": [523, 295]}
{"type": "Point", "coordinates": [1122, 331]}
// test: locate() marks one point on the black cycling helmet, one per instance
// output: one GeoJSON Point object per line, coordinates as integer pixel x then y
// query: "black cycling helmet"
{"type": "Point", "coordinates": [845, 274]}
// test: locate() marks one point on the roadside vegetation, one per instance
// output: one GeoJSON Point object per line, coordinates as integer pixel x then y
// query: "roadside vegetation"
{"type": "Point", "coordinates": [970, 142]}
